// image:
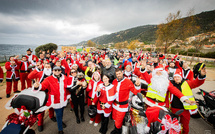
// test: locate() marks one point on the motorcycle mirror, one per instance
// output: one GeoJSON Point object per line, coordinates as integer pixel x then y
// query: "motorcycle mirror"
{"type": "Point", "coordinates": [139, 95]}
{"type": "Point", "coordinates": [179, 112]}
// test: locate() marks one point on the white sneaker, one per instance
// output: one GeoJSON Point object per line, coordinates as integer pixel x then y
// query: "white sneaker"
{"type": "Point", "coordinates": [96, 124]}
{"type": "Point", "coordinates": [91, 122]}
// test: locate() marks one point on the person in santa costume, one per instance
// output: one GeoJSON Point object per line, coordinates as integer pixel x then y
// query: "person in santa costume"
{"type": "Point", "coordinates": [187, 73]}
{"type": "Point", "coordinates": [120, 105]}
{"type": "Point", "coordinates": [56, 84]}
{"type": "Point", "coordinates": [1, 77]}
{"type": "Point", "coordinates": [105, 97]}
{"type": "Point", "coordinates": [12, 76]}
{"type": "Point", "coordinates": [42, 75]}
{"type": "Point", "coordinates": [77, 84]}
{"type": "Point", "coordinates": [30, 57]}
{"type": "Point", "coordinates": [91, 92]}
{"type": "Point", "coordinates": [185, 87]}
{"type": "Point", "coordinates": [159, 87]}
{"type": "Point", "coordinates": [24, 71]}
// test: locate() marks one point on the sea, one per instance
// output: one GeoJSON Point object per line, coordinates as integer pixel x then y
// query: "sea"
{"type": "Point", "coordinates": [7, 50]}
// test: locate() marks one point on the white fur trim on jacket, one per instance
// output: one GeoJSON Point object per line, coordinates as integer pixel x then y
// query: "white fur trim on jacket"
{"type": "Point", "coordinates": [182, 99]}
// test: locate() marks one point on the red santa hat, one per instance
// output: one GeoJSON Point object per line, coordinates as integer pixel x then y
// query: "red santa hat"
{"type": "Point", "coordinates": [159, 67]}
{"type": "Point", "coordinates": [178, 73]}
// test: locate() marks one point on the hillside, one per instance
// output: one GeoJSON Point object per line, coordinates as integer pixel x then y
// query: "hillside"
{"type": "Point", "coordinates": [146, 33]}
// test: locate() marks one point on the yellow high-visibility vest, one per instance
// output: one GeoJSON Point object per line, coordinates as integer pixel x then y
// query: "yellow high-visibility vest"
{"type": "Point", "coordinates": [186, 91]}
{"type": "Point", "coordinates": [153, 94]}
{"type": "Point", "coordinates": [86, 76]}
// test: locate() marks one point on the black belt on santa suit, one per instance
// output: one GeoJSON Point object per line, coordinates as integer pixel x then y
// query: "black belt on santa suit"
{"type": "Point", "coordinates": [90, 98]}
{"type": "Point", "coordinates": [121, 103]}
{"type": "Point", "coordinates": [24, 71]}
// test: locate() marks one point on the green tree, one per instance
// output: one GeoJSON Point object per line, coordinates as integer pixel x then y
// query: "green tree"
{"type": "Point", "coordinates": [45, 47]}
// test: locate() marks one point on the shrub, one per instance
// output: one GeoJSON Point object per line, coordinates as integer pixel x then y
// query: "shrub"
{"type": "Point", "coordinates": [45, 47]}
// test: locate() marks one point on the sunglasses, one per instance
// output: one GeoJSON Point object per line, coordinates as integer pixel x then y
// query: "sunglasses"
{"type": "Point", "coordinates": [73, 72]}
{"type": "Point", "coordinates": [57, 70]}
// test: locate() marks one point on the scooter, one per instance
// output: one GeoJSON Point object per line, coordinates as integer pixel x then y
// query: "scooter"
{"type": "Point", "coordinates": [206, 107]}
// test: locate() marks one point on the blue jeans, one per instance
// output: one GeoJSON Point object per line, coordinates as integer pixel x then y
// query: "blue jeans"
{"type": "Point", "coordinates": [59, 117]}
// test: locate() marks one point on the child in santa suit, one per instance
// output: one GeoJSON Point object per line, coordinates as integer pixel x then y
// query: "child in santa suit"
{"type": "Point", "coordinates": [12, 76]}
{"type": "Point", "coordinates": [105, 97]}
{"type": "Point", "coordinates": [91, 92]}
{"type": "Point", "coordinates": [185, 87]}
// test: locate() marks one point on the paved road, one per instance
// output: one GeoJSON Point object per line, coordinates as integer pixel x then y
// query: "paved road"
{"type": "Point", "coordinates": [197, 126]}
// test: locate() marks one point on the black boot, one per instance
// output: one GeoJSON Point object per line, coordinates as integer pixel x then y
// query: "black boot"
{"type": "Point", "coordinates": [116, 131]}
{"type": "Point", "coordinates": [40, 128]}
{"type": "Point", "coordinates": [82, 119]}
{"type": "Point", "coordinates": [78, 120]}
{"type": "Point", "coordinates": [60, 132]}
{"type": "Point", "coordinates": [54, 119]}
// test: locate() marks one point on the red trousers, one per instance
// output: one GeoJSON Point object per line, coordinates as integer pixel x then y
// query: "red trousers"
{"type": "Point", "coordinates": [97, 119]}
{"type": "Point", "coordinates": [118, 117]}
{"type": "Point", "coordinates": [41, 115]}
{"type": "Point", "coordinates": [9, 86]}
{"type": "Point", "coordinates": [23, 78]}
{"type": "Point", "coordinates": [184, 119]}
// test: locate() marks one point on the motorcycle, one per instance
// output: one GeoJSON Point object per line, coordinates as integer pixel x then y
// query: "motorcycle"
{"type": "Point", "coordinates": [137, 119]}
{"type": "Point", "coordinates": [206, 107]}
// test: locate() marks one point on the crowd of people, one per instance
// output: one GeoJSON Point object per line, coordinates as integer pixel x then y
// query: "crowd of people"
{"type": "Point", "coordinates": [105, 79]}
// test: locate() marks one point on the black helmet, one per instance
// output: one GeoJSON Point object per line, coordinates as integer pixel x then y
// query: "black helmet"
{"type": "Point", "coordinates": [92, 110]}
{"type": "Point", "coordinates": [197, 68]}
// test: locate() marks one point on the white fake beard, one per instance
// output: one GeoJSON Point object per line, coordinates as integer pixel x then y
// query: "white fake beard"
{"type": "Point", "coordinates": [160, 83]}
{"type": "Point", "coordinates": [47, 71]}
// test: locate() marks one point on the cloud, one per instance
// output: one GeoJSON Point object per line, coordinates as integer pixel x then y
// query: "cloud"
{"type": "Point", "coordinates": [68, 22]}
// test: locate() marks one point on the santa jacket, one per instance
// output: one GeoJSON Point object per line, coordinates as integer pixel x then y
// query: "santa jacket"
{"type": "Point", "coordinates": [105, 96]}
{"type": "Point", "coordinates": [23, 65]}
{"type": "Point", "coordinates": [123, 89]}
{"type": "Point", "coordinates": [36, 74]}
{"type": "Point", "coordinates": [186, 74]}
{"type": "Point", "coordinates": [57, 91]}
{"type": "Point", "coordinates": [92, 87]}
{"type": "Point", "coordinates": [31, 57]}
{"type": "Point", "coordinates": [11, 70]}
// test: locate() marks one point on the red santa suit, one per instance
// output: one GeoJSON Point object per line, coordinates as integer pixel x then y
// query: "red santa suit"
{"type": "Point", "coordinates": [91, 93]}
{"type": "Point", "coordinates": [57, 92]}
{"type": "Point", "coordinates": [120, 105]}
{"type": "Point", "coordinates": [24, 71]}
{"type": "Point", "coordinates": [187, 74]}
{"type": "Point", "coordinates": [106, 97]}
{"type": "Point", "coordinates": [12, 75]}
{"type": "Point", "coordinates": [36, 74]}
{"type": "Point", "coordinates": [31, 57]}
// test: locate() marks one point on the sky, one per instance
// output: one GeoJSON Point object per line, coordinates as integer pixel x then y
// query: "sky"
{"type": "Point", "coordinates": [66, 22]}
